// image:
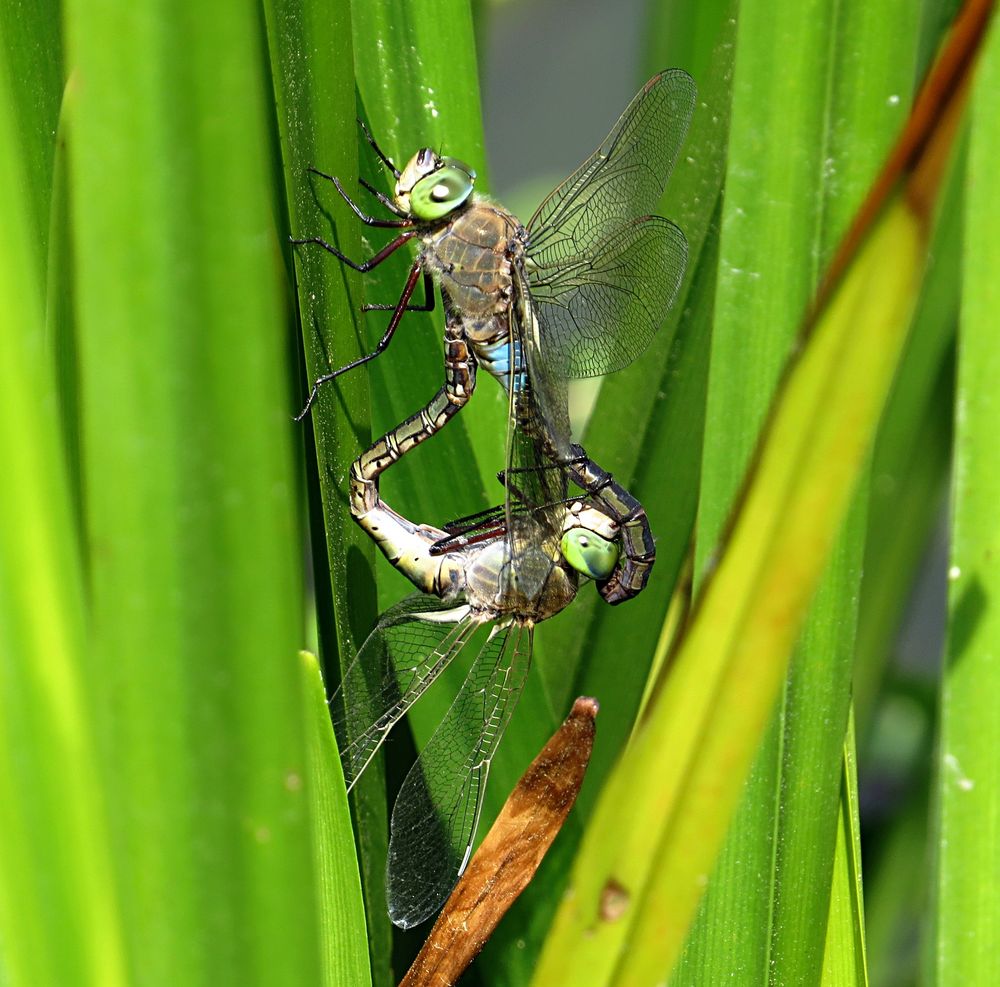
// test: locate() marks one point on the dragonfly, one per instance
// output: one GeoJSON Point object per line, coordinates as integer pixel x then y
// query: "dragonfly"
{"type": "Point", "coordinates": [503, 571]}
{"type": "Point", "coordinates": [579, 291]}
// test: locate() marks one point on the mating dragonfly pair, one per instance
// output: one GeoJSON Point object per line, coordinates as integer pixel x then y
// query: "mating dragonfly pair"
{"type": "Point", "coordinates": [577, 292]}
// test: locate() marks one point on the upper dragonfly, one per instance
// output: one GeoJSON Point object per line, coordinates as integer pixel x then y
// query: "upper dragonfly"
{"type": "Point", "coordinates": [587, 281]}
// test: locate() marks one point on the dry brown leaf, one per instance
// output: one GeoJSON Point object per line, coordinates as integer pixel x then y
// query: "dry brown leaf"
{"type": "Point", "coordinates": [510, 854]}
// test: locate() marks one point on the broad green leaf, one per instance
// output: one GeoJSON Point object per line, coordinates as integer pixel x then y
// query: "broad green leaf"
{"type": "Point", "coordinates": [191, 504]}
{"type": "Point", "coordinates": [967, 937]}
{"type": "Point", "coordinates": [639, 874]}
{"type": "Point", "coordinates": [789, 196]}
{"type": "Point", "coordinates": [61, 919]}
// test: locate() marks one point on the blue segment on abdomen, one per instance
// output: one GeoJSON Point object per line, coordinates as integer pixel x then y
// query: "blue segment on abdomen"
{"type": "Point", "coordinates": [494, 358]}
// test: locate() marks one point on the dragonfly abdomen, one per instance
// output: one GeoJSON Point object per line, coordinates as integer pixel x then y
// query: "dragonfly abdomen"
{"type": "Point", "coordinates": [459, 383]}
{"type": "Point", "coordinates": [495, 358]}
{"type": "Point", "coordinates": [638, 551]}
{"type": "Point", "coordinates": [407, 546]}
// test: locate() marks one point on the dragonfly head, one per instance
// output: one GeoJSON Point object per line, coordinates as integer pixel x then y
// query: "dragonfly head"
{"type": "Point", "coordinates": [430, 187]}
{"type": "Point", "coordinates": [590, 543]}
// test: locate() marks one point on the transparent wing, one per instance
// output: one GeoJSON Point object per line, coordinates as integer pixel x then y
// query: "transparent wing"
{"type": "Point", "coordinates": [538, 437]}
{"type": "Point", "coordinates": [540, 407]}
{"type": "Point", "coordinates": [410, 646]}
{"type": "Point", "coordinates": [435, 817]}
{"type": "Point", "coordinates": [484, 525]}
{"type": "Point", "coordinates": [602, 209]}
{"type": "Point", "coordinates": [623, 179]}
{"type": "Point", "coordinates": [597, 312]}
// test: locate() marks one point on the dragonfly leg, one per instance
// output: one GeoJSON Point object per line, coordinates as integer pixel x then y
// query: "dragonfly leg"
{"type": "Point", "coordinates": [556, 464]}
{"type": "Point", "coordinates": [366, 265]}
{"type": "Point", "coordinates": [397, 314]}
{"type": "Point", "coordinates": [374, 146]}
{"type": "Point", "coordinates": [386, 201]}
{"type": "Point", "coordinates": [401, 223]}
{"type": "Point", "coordinates": [427, 306]}
{"type": "Point", "coordinates": [638, 549]}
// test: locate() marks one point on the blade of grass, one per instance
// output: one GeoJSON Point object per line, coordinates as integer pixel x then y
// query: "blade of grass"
{"type": "Point", "coordinates": [60, 918]}
{"type": "Point", "coordinates": [624, 424]}
{"type": "Point", "coordinates": [418, 87]}
{"type": "Point", "coordinates": [896, 882]}
{"type": "Point", "coordinates": [312, 68]}
{"type": "Point", "coordinates": [670, 469]}
{"type": "Point", "coordinates": [725, 672]}
{"type": "Point", "coordinates": [31, 60]}
{"type": "Point", "coordinates": [967, 937]}
{"type": "Point", "coordinates": [195, 584]}
{"type": "Point", "coordinates": [646, 427]}
{"type": "Point", "coordinates": [311, 59]}
{"type": "Point", "coordinates": [910, 459]}
{"type": "Point", "coordinates": [844, 962]}
{"type": "Point", "coordinates": [343, 937]}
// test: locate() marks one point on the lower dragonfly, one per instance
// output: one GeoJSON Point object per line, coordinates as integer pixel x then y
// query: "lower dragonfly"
{"type": "Point", "coordinates": [577, 292]}
{"type": "Point", "coordinates": [512, 570]}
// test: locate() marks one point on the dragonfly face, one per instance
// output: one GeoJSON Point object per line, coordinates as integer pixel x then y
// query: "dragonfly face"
{"type": "Point", "coordinates": [591, 542]}
{"type": "Point", "coordinates": [430, 187]}
{"type": "Point", "coordinates": [590, 554]}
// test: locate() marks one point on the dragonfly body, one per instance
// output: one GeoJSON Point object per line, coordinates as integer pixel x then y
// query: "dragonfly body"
{"type": "Point", "coordinates": [578, 291]}
{"type": "Point", "coordinates": [479, 573]}
{"type": "Point", "coordinates": [478, 261]}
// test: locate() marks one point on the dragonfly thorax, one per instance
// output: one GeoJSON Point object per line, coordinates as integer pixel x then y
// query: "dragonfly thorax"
{"type": "Point", "coordinates": [493, 588]}
{"type": "Point", "coordinates": [431, 187]}
{"type": "Point", "coordinates": [470, 257]}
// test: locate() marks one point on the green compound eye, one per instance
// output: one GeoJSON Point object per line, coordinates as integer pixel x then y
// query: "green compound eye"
{"type": "Point", "coordinates": [442, 191]}
{"type": "Point", "coordinates": [588, 553]}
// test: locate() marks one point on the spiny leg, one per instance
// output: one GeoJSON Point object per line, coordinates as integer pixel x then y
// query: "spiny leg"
{"type": "Point", "coordinates": [397, 314]}
{"type": "Point", "coordinates": [401, 223]}
{"type": "Point", "coordinates": [374, 146]}
{"type": "Point", "coordinates": [366, 265]}
{"type": "Point", "coordinates": [426, 306]}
